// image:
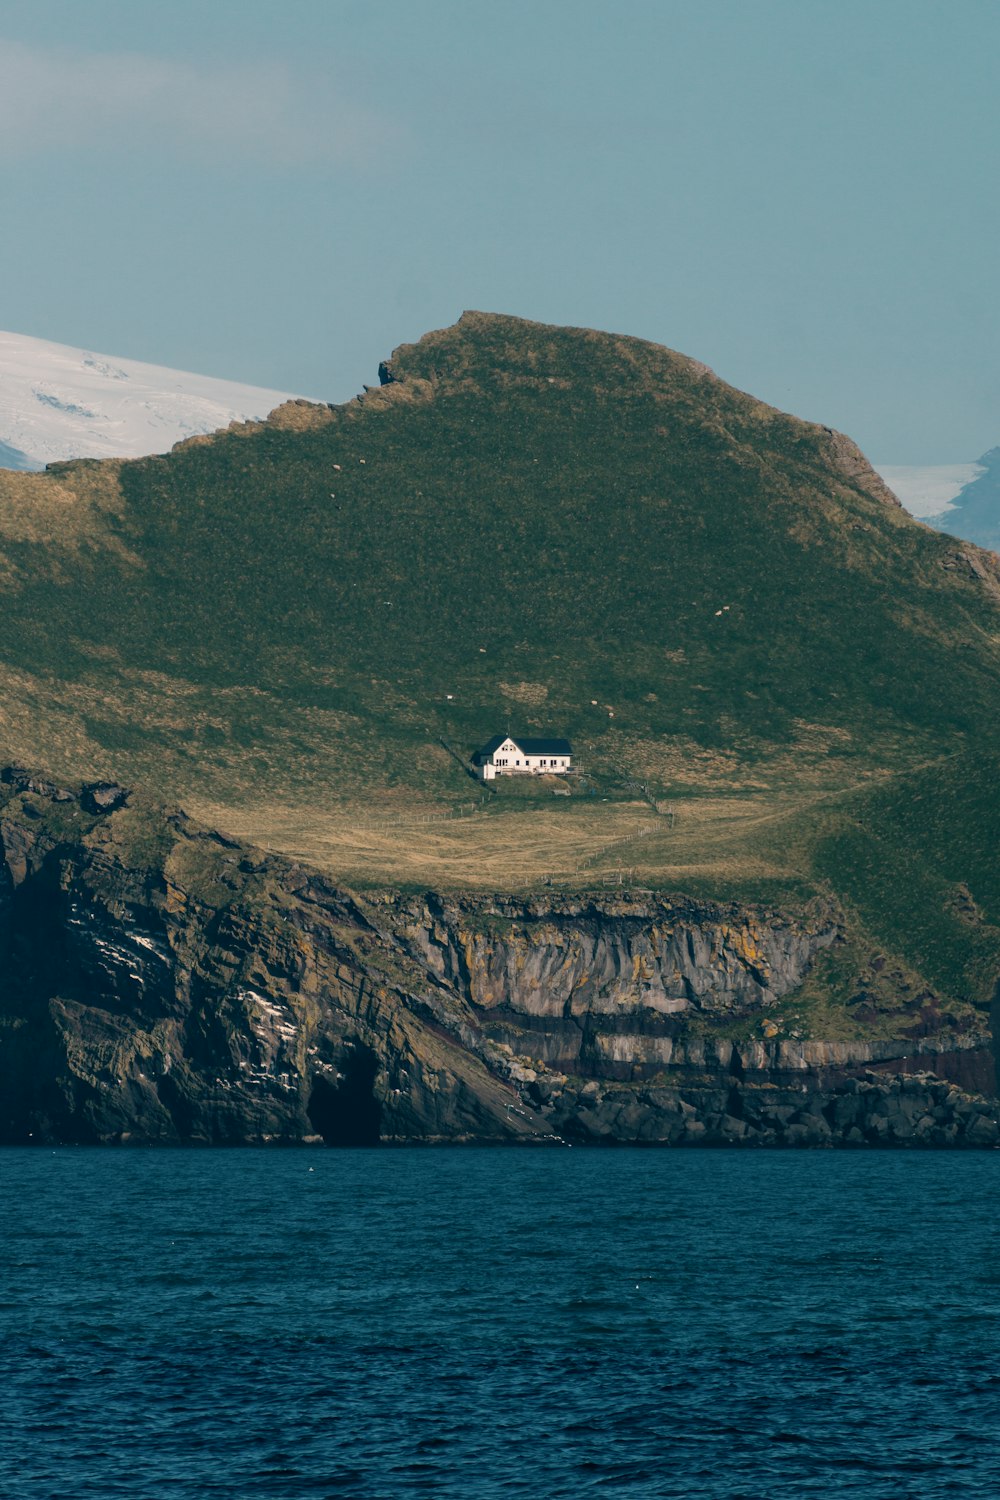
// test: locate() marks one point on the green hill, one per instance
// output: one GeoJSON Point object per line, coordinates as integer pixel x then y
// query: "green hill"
{"type": "Point", "coordinates": [551, 529]}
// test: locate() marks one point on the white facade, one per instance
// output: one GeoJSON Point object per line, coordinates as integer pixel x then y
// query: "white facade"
{"type": "Point", "coordinates": [511, 759]}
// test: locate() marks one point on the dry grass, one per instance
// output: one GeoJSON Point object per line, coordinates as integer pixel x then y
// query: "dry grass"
{"type": "Point", "coordinates": [68, 505]}
{"type": "Point", "coordinates": [531, 694]}
{"type": "Point", "coordinates": [723, 839]}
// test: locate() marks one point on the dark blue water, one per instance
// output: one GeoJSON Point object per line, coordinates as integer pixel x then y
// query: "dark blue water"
{"type": "Point", "coordinates": [498, 1323]}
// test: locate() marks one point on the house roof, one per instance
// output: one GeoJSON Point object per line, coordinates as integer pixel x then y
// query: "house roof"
{"type": "Point", "coordinates": [545, 747]}
{"type": "Point", "coordinates": [491, 745]}
{"type": "Point", "coordinates": [527, 747]}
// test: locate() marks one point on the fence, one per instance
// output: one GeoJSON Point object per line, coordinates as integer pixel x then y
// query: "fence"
{"type": "Point", "coordinates": [419, 820]}
{"type": "Point", "coordinates": [643, 831]}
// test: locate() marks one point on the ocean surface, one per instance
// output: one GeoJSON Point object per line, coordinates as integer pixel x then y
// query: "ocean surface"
{"type": "Point", "coordinates": [479, 1323]}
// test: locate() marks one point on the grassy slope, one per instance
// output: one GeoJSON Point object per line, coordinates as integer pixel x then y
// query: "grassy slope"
{"type": "Point", "coordinates": [919, 860]}
{"type": "Point", "coordinates": [542, 523]}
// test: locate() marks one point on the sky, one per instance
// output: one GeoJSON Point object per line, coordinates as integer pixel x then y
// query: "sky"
{"type": "Point", "coordinates": [801, 193]}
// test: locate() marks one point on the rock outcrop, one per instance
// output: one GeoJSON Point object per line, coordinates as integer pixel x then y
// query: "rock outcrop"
{"type": "Point", "coordinates": [870, 1110]}
{"type": "Point", "coordinates": [162, 983]}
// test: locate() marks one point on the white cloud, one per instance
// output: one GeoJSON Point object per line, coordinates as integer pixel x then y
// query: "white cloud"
{"type": "Point", "coordinates": [52, 100]}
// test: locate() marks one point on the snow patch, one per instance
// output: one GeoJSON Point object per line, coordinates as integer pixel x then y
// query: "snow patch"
{"type": "Point", "coordinates": [929, 489]}
{"type": "Point", "coordinates": [57, 403]}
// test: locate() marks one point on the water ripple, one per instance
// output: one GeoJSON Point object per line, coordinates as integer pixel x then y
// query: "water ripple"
{"type": "Point", "coordinates": [489, 1324]}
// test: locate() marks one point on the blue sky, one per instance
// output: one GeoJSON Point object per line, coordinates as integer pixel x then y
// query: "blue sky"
{"type": "Point", "coordinates": [802, 193]}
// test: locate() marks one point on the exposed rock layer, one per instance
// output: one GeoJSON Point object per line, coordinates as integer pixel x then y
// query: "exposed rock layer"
{"type": "Point", "coordinates": [163, 983]}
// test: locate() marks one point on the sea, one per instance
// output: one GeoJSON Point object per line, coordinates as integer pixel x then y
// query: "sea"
{"type": "Point", "coordinates": [195, 1324]}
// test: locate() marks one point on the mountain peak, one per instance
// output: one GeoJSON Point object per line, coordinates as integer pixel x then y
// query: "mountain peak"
{"type": "Point", "coordinates": [498, 354]}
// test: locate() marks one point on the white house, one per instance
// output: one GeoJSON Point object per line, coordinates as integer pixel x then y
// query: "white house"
{"type": "Point", "coordinates": [504, 756]}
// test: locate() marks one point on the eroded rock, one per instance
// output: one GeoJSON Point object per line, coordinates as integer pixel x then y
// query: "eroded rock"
{"type": "Point", "coordinates": [103, 796]}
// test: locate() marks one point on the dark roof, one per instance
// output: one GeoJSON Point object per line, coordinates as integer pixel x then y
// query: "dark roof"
{"type": "Point", "coordinates": [527, 747]}
{"type": "Point", "coordinates": [489, 747]}
{"type": "Point", "coordinates": [544, 747]}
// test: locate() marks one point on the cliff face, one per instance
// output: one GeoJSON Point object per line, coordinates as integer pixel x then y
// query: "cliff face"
{"type": "Point", "coordinates": [603, 986]}
{"type": "Point", "coordinates": [162, 983]}
{"type": "Point", "coordinates": [572, 958]}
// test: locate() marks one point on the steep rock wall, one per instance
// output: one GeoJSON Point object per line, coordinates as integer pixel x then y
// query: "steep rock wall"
{"type": "Point", "coordinates": [567, 959]}
{"type": "Point", "coordinates": [201, 992]}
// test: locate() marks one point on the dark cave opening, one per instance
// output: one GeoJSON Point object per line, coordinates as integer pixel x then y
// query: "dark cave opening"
{"type": "Point", "coordinates": [347, 1113]}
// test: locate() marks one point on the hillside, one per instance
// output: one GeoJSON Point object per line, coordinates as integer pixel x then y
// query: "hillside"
{"type": "Point", "coordinates": [553, 529]}
{"type": "Point", "coordinates": [57, 402]}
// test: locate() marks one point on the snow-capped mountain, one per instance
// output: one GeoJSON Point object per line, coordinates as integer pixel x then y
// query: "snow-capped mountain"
{"type": "Point", "coordinates": [929, 489]}
{"type": "Point", "coordinates": [57, 402]}
{"type": "Point", "coordinates": [963, 499]}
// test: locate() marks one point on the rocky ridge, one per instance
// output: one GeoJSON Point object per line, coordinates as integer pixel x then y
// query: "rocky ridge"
{"type": "Point", "coordinates": [164, 983]}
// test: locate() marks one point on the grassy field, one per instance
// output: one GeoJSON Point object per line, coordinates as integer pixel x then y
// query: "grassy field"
{"type": "Point", "coordinates": [711, 839]}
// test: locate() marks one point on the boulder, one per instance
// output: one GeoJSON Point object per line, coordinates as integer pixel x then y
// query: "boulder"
{"type": "Point", "coordinates": [103, 796]}
{"type": "Point", "coordinates": [982, 1131]}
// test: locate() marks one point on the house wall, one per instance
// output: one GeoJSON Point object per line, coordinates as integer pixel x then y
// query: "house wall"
{"type": "Point", "coordinates": [509, 760]}
{"type": "Point", "coordinates": [547, 763]}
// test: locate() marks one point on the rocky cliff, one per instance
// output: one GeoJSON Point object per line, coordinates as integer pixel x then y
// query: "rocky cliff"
{"type": "Point", "coordinates": [163, 983]}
